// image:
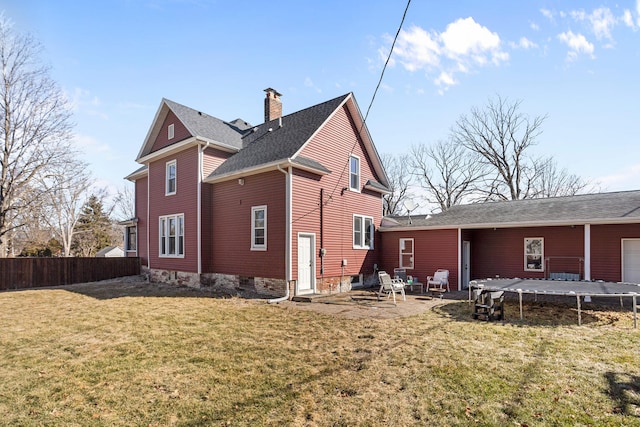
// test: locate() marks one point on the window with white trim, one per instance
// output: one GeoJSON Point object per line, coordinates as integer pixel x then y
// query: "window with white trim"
{"type": "Point", "coordinates": [259, 228]}
{"type": "Point", "coordinates": [406, 253]}
{"type": "Point", "coordinates": [170, 131]}
{"type": "Point", "coordinates": [172, 236]}
{"type": "Point", "coordinates": [363, 232]}
{"type": "Point", "coordinates": [534, 254]}
{"type": "Point", "coordinates": [354, 173]}
{"type": "Point", "coordinates": [171, 170]}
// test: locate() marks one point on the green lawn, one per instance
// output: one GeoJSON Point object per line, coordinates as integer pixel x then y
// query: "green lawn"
{"type": "Point", "coordinates": [150, 355]}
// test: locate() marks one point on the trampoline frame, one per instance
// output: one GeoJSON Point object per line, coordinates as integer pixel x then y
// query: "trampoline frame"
{"type": "Point", "coordinates": [517, 285]}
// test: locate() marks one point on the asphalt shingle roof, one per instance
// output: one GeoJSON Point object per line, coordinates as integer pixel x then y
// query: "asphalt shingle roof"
{"type": "Point", "coordinates": [599, 207]}
{"type": "Point", "coordinates": [270, 142]}
{"type": "Point", "coordinates": [204, 125]}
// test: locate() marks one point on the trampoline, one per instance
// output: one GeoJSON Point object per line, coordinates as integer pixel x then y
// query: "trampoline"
{"type": "Point", "coordinates": [576, 289]}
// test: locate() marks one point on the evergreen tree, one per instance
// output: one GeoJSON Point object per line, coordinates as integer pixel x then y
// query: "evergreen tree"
{"type": "Point", "coordinates": [94, 227]}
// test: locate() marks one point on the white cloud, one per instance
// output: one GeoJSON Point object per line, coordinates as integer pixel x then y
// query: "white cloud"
{"type": "Point", "coordinates": [464, 46]}
{"type": "Point", "coordinates": [627, 18]}
{"type": "Point", "coordinates": [547, 14]}
{"type": "Point", "coordinates": [601, 21]}
{"type": "Point", "coordinates": [626, 179]}
{"type": "Point", "coordinates": [309, 83]}
{"type": "Point", "coordinates": [445, 79]}
{"type": "Point", "coordinates": [466, 37]}
{"type": "Point", "coordinates": [417, 49]}
{"type": "Point", "coordinates": [577, 44]}
{"type": "Point", "coordinates": [82, 100]}
{"type": "Point", "coordinates": [89, 144]}
{"type": "Point", "coordinates": [534, 26]}
{"type": "Point", "coordinates": [523, 43]}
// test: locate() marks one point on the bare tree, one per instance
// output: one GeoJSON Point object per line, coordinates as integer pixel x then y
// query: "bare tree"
{"type": "Point", "coordinates": [447, 171]}
{"type": "Point", "coordinates": [397, 168]}
{"type": "Point", "coordinates": [555, 182]}
{"type": "Point", "coordinates": [65, 192]}
{"type": "Point", "coordinates": [501, 136]}
{"type": "Point", "coordinates": [36, 127]}
{"type": "Point", "coordinates": [124, 203]}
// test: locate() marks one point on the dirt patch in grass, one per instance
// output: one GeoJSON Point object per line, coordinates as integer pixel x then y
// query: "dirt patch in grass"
{"type": "Point", "coordinates": [139, 354]}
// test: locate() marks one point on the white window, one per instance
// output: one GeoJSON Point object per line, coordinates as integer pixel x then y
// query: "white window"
{"type": "Point", "coordinates": [259, 228]}
{"type": "Point", "coordinates": [406, 253]}
{"type": "Point", "coordinates": [354, 173]}
{"type": "Point", "coordinates": [171, 178]}
{"type": "Point", "coordinates": [170, 131]}
{"type": "Point", "coordinates": [533, 254]}
{"type": "Point", "coordinates": [172, 235]}
{"type": "Point", "coordinates": [363, 232]}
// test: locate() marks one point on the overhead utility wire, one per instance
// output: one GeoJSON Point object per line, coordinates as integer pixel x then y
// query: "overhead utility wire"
{"type": "Point", "coordinates": [375, 92]}
{"type": "Point", "coordinates": [364, 120]}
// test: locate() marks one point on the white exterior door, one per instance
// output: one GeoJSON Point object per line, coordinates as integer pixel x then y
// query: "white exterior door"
{"type": "Point", "coordinates": [306, 267]}
{"type": "Point", "coordinates": [631, 260]}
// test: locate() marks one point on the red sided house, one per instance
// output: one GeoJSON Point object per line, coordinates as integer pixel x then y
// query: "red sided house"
{"type": "Point", "coordinates": [586, 237]}
{"type": "Point", "coordinates": [288, 207]}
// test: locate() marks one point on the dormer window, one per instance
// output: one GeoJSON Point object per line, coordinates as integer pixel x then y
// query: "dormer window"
{"type": "Point", "coordinates": [170, 131]}
{"type": "Point", "coordinates": [170, 178]}
{"type": "Point", "coordinates": [354, 173]}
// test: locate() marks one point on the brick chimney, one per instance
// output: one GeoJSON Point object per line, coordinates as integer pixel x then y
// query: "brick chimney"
{"type": "Point", "coordinates": [272, 105]}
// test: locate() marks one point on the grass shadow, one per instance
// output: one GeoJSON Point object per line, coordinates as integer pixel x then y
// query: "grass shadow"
{"type": "Point", "coordinates": [540, 313]}
{"type": "Point", "coordinates": [624, 390]}
{"type": "Point", "coordinates": [122, 289]}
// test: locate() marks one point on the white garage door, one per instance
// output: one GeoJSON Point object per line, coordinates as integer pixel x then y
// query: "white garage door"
{"type": "Point", "coordinates": [631, 260]}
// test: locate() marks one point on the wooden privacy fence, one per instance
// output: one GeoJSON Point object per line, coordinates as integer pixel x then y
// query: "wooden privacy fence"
{"type": "Point", "coordinates": [24, 273]}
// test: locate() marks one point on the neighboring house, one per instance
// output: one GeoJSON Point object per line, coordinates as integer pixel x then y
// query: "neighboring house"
{"type": "Point", "coordinates": [287, 207]}
{"type": "Point", "coordinates": [591, 237]}
{"type": "Point", "coordinates": [110, 252]}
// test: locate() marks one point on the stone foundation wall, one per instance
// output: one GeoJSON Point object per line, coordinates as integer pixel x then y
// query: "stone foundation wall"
{"type": "Point", "coordinates": [267, 287]}
{"type": "Point", "coordinates": [333, 285]}
{"type": "Point", "coordinates": [259, 285]}
{"type": "Point", "coordinates": [180, 278]}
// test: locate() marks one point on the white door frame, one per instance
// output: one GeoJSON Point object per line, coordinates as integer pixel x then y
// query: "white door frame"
{"type": "Point", "coordinates": [622, 266]}
{"type": "Point", "coordinates": [312, 266]}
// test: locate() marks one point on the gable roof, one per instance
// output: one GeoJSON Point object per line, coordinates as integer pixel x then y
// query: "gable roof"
{"type": "Point", "coordinates": [280, 141]}
{"type": "Point", "coordinates": [599, 208]}
{"type": "Point", "coordinates": [273, 144]}
{"type": "Point", "coordinates": [200, 125]}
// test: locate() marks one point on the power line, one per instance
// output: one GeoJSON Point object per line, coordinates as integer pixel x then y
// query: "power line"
{"type": "Point", "coordinates": [375, 92]}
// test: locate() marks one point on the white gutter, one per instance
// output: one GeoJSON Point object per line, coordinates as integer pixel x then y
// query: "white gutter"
{"type": "Point", "coordinates": [288, 274]}
{"type": "Point", "coordinates": [554, 223]}
{"type": "Point", "coordinates": [254, 170]}
{"type": "Point", "coordinates": [181, 145]}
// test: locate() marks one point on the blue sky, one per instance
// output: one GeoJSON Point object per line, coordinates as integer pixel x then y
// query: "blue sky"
{"type": "Point", "coordinates": [576, 62]}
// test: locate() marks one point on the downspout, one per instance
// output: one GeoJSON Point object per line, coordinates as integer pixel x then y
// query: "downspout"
{"type": "Point", "coordinates": [322, 248]}
{"type": "Point", "coordinates": [148, 217]}
{"type": "Point", "coordinates": [287, 250]}
{"type": "Point", "coordinates": [201, 149]}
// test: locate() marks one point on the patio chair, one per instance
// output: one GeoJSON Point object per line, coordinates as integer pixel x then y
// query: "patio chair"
{"type": "Point", "coordinates": [436, 283]}
{"type": "Point", "coordinates": [390, 286]}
